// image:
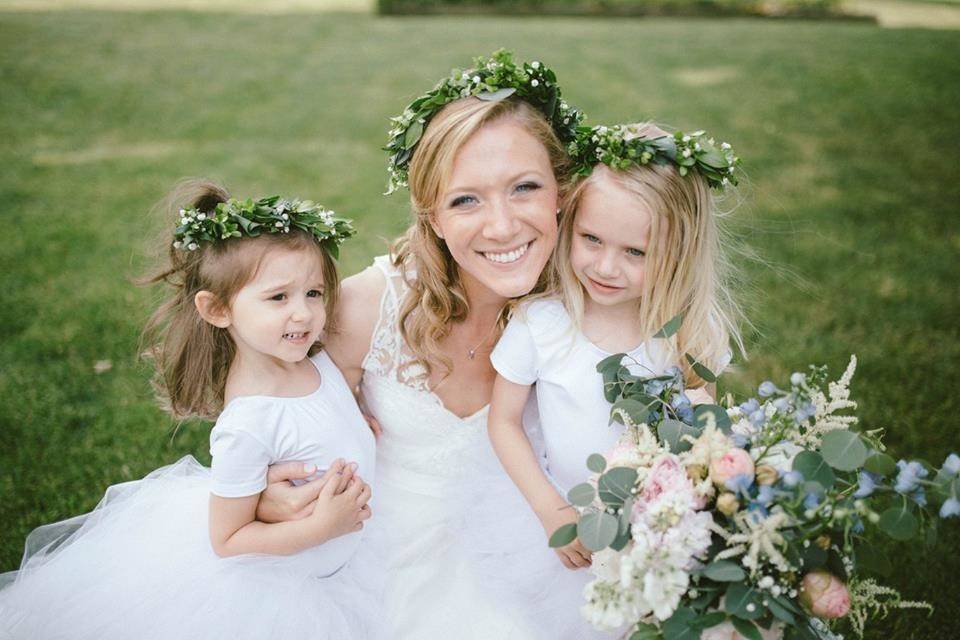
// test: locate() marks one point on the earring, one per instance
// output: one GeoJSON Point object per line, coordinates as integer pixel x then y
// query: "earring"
{"type": "Point", "coordinates": [558, 211]}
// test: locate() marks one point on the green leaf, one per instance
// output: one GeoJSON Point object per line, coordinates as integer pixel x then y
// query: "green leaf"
{"type": "Point", "coordinates": [701, 411]}
{"type": "Point", "coordinates": [814, 468]}
{"type": "Point", "coordinates": [898, 523]}
{"type": "Point", "coordinates": [610, 363]}
{"type": "Point", "coordinates": [671, 328]}
{"type": "Point", "coordinates": [724, 571]}
{"type": "Point", "coordinates": [645, 631]}
{"type": "Point", "coordinates": [564, 535]}
{"type": "Point", "coordinates": [412, 136]}
{"type": "Point", "coordinates": [615, 485]}
{"type": "Point", "coordinates": [597, 530]}
{"type": "Point", "coordinates": [844, 450]}
{"type": "Point", "coordinates": [707, 620]}
{"type": "Point", "coordinates": [701, 370]}
{"type": "Point", "coordinates": [637, 410]}
{"type": "Point", "coordinates": [747, 629]}
{"type": "Point", "coordinates": [739, 599]}
{"type": "Point", "coordinates": [780, 612]}
{"type": "Point", "coordinates": [671, 433]}
{"type": "Point", "coordinates": [677, 627]}
{"type": "Point", "coordinates": [582, 495]}
{"type": "Point", "coordinates": [498, 95]}
{"type": "Point", "coordinates": [880, 464]}
{"type": "Point", "coordinates": [596, 463]}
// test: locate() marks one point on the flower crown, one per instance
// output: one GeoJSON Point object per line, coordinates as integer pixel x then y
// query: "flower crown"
{"type": "Point", "coordinates": [492, 79]}
{"type": "Point", "coordinates": [621, 146]}
{"type": "Point", "coordinates": [236, 218]}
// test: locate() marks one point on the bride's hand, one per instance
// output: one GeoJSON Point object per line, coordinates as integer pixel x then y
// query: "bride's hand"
{"type": "Point", "coordinates": [374, 426]}
{"type": "Point", "coordinates": [282, 502]}
{"type": "Point", "coordinates": [573, 555]}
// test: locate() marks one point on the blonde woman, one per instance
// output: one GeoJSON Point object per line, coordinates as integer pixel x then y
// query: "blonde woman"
{"type": "Point", "coordinates": [416, 332]}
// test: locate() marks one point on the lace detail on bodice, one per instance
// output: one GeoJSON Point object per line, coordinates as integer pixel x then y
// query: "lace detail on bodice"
{"type": "Point", "coordinates": [422, 440]}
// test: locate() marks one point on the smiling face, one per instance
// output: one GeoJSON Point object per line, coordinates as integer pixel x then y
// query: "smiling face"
{"type": "Point", "coordinates": [497, 212]}
{"type": "Point", "coordinates": [279, 314]}
{"type": "Point", "coordinates": [609, 243]}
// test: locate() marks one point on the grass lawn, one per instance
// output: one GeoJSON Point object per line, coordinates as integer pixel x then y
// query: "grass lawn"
{"type": "Point", "coordinates": [849, 134]}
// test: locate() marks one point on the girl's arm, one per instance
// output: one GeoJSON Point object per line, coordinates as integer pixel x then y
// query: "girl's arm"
{"type": "Point", "coordinates": [340, 508]}
{"type": "Point", "coordinates": [505, 426]}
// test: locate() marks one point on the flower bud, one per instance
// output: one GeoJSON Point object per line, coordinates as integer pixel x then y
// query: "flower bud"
{"type": "Point", "coordinates": [727, 504]}
{"type": "Point", "coordinates": [734, 462]}
{"type": "Point", "coordinates": [825, 595]}
{"type": "Point", "coordinates": [766, 475]}
{"type": "Point", "coordinates": [823, 541]}
{"type": "Point", "coordinates": [696, 472]}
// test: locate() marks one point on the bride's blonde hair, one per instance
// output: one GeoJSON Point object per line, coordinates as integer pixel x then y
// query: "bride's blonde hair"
{"type": "Point", "coordinates": [686, 269]}
{"type": "Point", "coordinates": [436, 297]}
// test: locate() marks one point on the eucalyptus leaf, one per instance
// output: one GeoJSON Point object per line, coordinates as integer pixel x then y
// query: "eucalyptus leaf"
{"type": "Point", "coordinates": [707, 620]}
{"type": "Point", "coordinates": [597, 530]}
{"type": "Point", "coordinates": [701, 411]}
{"type": "Point", "coordinates": [615, 485]}
{"type": "Point", "coordinates": [739, 599]}
{"type": "Point", "coordinates": [671, 328]}
{"type": "Point", "coordinates": [898, 523]}
{"type": "Point", "coordinates": [746, 629]}
{"type": "Point", "coordinates": [637, 410]}
{"type": "Point", "coordinates": [813, 467]}
{"type": "Point", "coordinates": [414, 132]}
{"type": "Point", "coordinates": [596, 463]}
{"type": "Point", "coordinates": [881, 464]}
{"type": "Point", "coordinates": [645, 631]}
{"type": "Point", "coordinates": [700, 369]}
{"type": "Point", "coordinates": [610, 363]}
{"type": "Point", "coordinates": [724, 571]}
{"type": "Point", "coordinates": [780, 612]}
{"type": "Point", "coordinates": [844, 450]}
{"type": "Point", "coordinates": [677, 626]}
{"type": "Point", "coordinates": [564, 535]}
{"type": "Point", "coordinates": [582, 495]}
{"type": "Point", "coordinates": [671, 433]}
{"type": "Point", "coordinates": [498, 95]}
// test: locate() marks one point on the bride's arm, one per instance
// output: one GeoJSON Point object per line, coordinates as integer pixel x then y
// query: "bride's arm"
{"type": "Point", "coordinates": [358, 310]}
{"type": "Point", "coordinates": [505, 426]}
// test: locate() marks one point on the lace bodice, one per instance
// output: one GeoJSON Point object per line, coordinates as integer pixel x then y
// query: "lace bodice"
{"type": "Point", "coordinates": [422, 442]}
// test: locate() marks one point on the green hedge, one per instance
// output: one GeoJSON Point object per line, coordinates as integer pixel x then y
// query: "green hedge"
{"type": "Point", "coordinates": [771, 8]}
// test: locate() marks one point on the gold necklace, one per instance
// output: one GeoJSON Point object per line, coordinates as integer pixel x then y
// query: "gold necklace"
{"type": "Point", "coordinates": [471, 353]}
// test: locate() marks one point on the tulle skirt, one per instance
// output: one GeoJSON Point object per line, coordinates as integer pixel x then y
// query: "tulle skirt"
{"type": "Point", "coordinates": [469, 560]}
{"type": "Point", "coordinates": [141, 566]}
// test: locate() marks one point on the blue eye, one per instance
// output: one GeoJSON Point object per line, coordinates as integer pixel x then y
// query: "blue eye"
{"type": "Point", "coordinates": [526, 187]}
{"type": "Point", "coordinates": [315, 293]}
{"type": "Point", "coordinates": [462, 200]}
{"type": "Point", "coordinates": [638, 253]}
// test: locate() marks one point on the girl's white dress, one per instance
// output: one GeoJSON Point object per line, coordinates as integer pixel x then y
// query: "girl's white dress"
{"type": "Point", "coordinates": [466, 558]}
{"type": "Point", "coordinates": [141, 566]}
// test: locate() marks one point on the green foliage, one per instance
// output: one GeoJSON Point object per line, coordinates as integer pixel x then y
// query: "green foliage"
{"type": "Point", "coordinates": [844, 450]}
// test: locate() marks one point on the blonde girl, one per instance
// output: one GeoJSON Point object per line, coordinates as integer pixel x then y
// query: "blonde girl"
{"type": "Point", "coordinates": [638, 245]}
{"type": "Point", "coordinates": [180, 553]}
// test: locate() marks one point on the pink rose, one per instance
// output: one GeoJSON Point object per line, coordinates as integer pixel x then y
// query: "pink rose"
{"type": "Point", "coordinates": [825, 595]}
{"type": "Point", "coordinates": [733, 463]}
{"type": "Point", "coordinates": [726, 631]}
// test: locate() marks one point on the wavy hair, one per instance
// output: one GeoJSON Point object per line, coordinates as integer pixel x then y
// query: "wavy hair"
{"type": "Point", "coordinates": [436, 297]}
{"type": "Point", "coordinates": [192, 357]}
{"type": "Point", "coordinates": [686, 271]}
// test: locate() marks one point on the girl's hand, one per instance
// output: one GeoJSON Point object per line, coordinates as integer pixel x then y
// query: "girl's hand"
{"type": "Point", "coordinates": [283, 502]}
{"type": "Point", "coordinates": [699, 396]}
{"type": "Point", "coordinates": [374, 426]}
{"type": "Point", "coordinates": [340, 508]}
{"type": "Point", "coordinates": [574, 555]}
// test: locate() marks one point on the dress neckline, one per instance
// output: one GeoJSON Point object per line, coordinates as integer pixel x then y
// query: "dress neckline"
{"type": "Point", "coordinates": [293, 399]}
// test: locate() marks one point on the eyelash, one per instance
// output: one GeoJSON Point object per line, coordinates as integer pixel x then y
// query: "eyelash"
{"type": "Point", "coordinates": [633, 252]}
{"type": "Point", "coordinates": [523, 187]}
{"type": "Point", "coordinates": [282, 296]}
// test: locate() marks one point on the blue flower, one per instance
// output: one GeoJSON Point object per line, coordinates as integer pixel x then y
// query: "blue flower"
{"type": "Point", "coordinates": [739, 440]}
{"type": "Point", "coordinates": [797, 378]}
{"type": "Point", "coordinates": [679, 400]}
{"type": "Point", "coordinates": [765, 495]}
{"type": "Point", "coordinates": [685, 414]}
{"type": "Point", "coordinates": [805, 411]}
{"type": "Point", "coordinates": [857, 525]}
{"type": "Point", "coordinates": [750, 406]}
{"type": "Point", "coordinates": [792, 478]}
{"type": "Point", "coordinates": [950, 508]}
{"type": "Point", "coordinates": [766, 389]}
{"type": "Point", "coordinates": [811, 501]}
{"type": "Point", "coordinates": [740, 484]}
{"type": "Point", "coordinates": [867, 484]}
{"type": "Point", "coordinates": [919, 497]}
{"type": "Point", "coordinates": [952, 464]}
{"type": "Point", "coordinates": [782, 404]}
{"type": "Point", "coordinates": [908, 479]}
{"type": "Point", "coordinates": [757, 418]}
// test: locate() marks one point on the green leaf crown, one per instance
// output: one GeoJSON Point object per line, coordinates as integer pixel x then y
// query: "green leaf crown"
{"type": "Point", "coordinates": [494, 78]}
{"type": "Point", "coordinates": [622, 146]}
{"type": "Point", "coordinates": [237, 218]}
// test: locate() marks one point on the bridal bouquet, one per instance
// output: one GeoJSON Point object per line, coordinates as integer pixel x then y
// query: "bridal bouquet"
{"type": "Point", "coordinates": [747, 520]}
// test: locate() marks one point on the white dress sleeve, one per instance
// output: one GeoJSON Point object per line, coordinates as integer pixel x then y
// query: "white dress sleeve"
{"type": "Point", "coordinates": [515, 356]}
{"type": "Point", "coordinates": [240, 458]}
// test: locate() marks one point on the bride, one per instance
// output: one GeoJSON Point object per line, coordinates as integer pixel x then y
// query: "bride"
{"type": "Point", "coordinates": [467, 558]}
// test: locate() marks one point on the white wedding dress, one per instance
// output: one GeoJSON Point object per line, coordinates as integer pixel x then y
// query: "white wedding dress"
{"type": "Point", "coordinates": [466, 557]}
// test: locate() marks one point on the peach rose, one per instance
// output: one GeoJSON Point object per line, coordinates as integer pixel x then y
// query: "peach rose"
{"type": "Point", "coordinates": [734, 462]}
{"type": "Point", "coordinates": [825, 595]}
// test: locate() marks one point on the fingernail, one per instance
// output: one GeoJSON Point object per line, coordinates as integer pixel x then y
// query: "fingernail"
{"type": "Point", "coordinates": [309, 468]}
{"type": "Point", "coordinates": [354, 466]}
